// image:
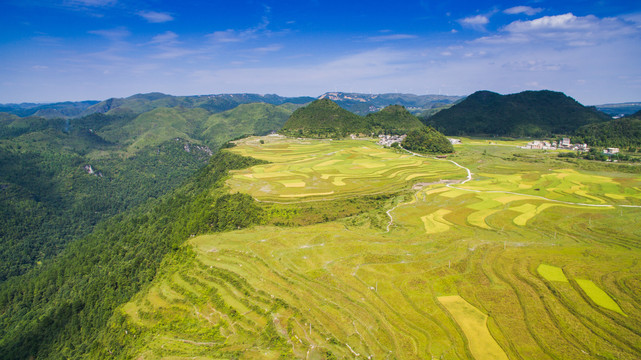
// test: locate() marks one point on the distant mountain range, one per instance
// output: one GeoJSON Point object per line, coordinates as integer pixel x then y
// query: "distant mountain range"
{"type": "Point", "coordinates": [361, 104]}
{"type": "Point", "coordinates": [358, 103]}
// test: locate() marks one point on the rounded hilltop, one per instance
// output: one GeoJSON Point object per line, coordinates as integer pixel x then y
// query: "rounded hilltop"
{"type": "Point", "coordinates": [325, 119]}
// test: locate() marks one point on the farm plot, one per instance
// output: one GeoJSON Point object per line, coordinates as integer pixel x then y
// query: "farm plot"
{"type": "Point", "coordinates": [474, 324]}
{"type": "Point", "coordinates": [329, 169]}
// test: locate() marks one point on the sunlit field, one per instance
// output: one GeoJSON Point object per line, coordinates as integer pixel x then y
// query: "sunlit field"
{"type": "Point", "coordinates": [516, 263]}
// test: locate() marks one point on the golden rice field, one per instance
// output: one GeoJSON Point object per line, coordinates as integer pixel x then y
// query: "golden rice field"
{"type": "Point", "coordinates": [488, 269]}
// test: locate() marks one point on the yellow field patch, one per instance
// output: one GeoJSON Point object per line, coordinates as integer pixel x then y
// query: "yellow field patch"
{"type": "Point", "coordinates": [292, 183]}
{"type": "Point", "coordinates": [551, 273]}
{"type": "Point", "coordinates": [474, 325]}
{"type": "Point", "coordinates": [435, 223]}
{"type": "Point", "coordinates": [599, 296]}
{"type": "Point", "coordinates": [615, 196]}
{"type": "Point", "coordinates": [454, 193]}
{"type": "Point", "coordinates": [338, 181]}
{"type": "Point", "coordinates": [477, 218]}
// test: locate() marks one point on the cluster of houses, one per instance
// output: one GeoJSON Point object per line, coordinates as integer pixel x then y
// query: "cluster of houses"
{"type": "Point", "coordinates": [388, 140]}
{"type": "Point", "coordinates": [553, 145]}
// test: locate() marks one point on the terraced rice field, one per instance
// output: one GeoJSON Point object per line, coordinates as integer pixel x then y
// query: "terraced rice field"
{"type": "Point", "coordinates": [466, 271]}
{"type": "Point", "coordinates": [309, 170]}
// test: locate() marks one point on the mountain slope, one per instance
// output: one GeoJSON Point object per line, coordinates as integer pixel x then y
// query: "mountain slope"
{"type": "Point", "coordinates": [529, 113]}
{"type": "Point", "coordinates": [394, 119]}
{"type": "Point", "coordinates": [623, 133]}
{"type": "Point", "coordinates": [245, 119]}
{"type": "Point", "coordinates": [323, 118]}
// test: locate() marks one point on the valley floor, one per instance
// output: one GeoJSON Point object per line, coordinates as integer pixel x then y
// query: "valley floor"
{"type": "Point", "coordinates": [521, 258]}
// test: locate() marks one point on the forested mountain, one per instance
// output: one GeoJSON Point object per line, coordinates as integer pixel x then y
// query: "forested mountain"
{"type": "Point", "coordinates": [529, 113]}
{"type": "Point", "coordinates": [623, 133]}
{"type": "Point", "coordinates": [60, 309]}
{"type": "Point", "coordinates": [60, 177]}
{"type": "Point", "coordinates": [141, 103]}
{"type": "Point", "coordinates": [325, 119]}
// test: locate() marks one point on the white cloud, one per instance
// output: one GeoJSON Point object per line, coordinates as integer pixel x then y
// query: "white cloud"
{"type": "Point", "coordinates": [477, 22]}
{"type": "Point", "coordinates": [527, 10]}
{"type": "Point", "coordinates": [563, 30]}
{"type": "Point", "coordinates": [558, 22]}
{"type": "Point", "coordinates": [155, 17]}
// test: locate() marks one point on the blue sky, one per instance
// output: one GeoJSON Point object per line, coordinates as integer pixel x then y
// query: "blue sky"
{"type": "Point", "coordinates": [56, 50]}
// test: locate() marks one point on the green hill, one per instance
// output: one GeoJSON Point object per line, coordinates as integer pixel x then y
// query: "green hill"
{"type": "Point", "coordinates": [393, 120]}
{"type": "Point", "coordinates": [325, 119]}
{"type": "Point", "coordinates": [426, 140]}
{"type": "Point", "coordinates": [529, 113]}
{"type": "Point", "coordinates": [623, 133]}
{"type": "Point", "coordinates": [256, 118]}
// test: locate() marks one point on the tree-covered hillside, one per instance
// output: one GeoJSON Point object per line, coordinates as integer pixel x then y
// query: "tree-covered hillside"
{"type": "Point", "coordinates": [325, 119]}
{"type": "Point", "coordinates": [59, 309]}
{"type": "Point", "coordinates": [427, 140]}
{"type": "Point", "coordinates": [60, 177]}
{"type": "Point", "coordinates": [529, 113]}
{"type": "Point", "coordinates": [394, 120]}
{"type": "Point", "coordinates": [623, 133]}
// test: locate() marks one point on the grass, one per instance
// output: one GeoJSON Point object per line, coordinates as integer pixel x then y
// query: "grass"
{"type": "Point", "coordinates": [474, 325]}
{"type": "Point", "coordinates": [333, 289]}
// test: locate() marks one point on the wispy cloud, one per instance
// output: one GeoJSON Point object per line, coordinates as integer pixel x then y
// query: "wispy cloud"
{"type": "Point", "coordinates": [477, 22]}
{"type": "Point", "coordinates": [527, 10]}
{"type": "Point", "coordinates": [393, 37]}
{"type": "Point", "coordinates": [155, 17]}
{"type": "Point", "coordinates": [166, 38]}
{"type": "Point", "coordinates": [112, 34]}
{"type": "Point", "coordinates": [91, 3]}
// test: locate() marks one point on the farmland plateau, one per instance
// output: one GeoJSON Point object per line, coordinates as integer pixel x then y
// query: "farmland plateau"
{"type": "Point", "coordinates": [494, 252]}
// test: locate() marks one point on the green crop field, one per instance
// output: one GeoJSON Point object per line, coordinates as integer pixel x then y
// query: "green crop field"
{"type": "Point", "coordinates": [486, 268]}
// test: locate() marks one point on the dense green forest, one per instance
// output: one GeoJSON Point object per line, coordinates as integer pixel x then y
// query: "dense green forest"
{"type": "Point", "coordinates": [529, 113]}
{"type": "Point", "coordinates": [325, 119]}
{"type": "Point", "coordinates": [624, 133]}
{"type": "Point", "coordinates": [427, 140]}
{"type": "Point", "coordinates": [60, 177]}
{"type": "Point", "coordinates": [58, 309]}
